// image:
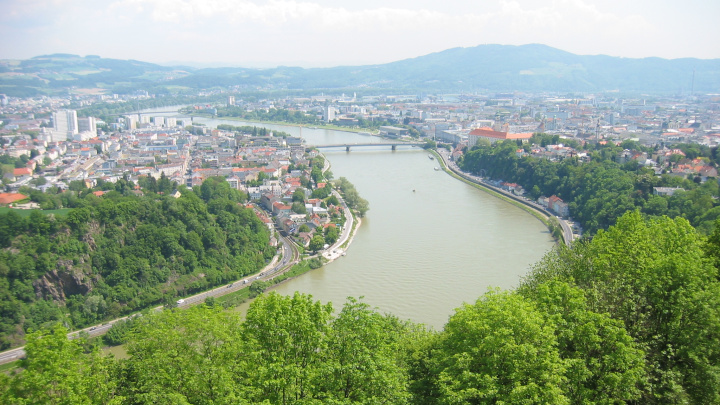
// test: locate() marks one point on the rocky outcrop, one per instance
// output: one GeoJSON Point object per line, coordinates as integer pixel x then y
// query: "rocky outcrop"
{"type": "Point", "coordinates": [62, 281]}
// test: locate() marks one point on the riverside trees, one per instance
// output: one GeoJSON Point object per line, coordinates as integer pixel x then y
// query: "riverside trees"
{"type": "Point", "coordinates": [352, 197]}
{"type": "Point", "coordinates": [598, 192]}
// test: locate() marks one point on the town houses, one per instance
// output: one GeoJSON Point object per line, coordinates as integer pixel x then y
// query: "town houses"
{"type": "Point", "coordinates": [56, 145]}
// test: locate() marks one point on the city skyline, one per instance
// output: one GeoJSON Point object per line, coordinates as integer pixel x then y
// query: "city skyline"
{"type": "Point", "coordinates": [320, 33]}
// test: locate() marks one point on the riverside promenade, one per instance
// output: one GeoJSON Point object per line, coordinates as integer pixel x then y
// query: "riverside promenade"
{"type": "Point", "coordinates": [449, 165]}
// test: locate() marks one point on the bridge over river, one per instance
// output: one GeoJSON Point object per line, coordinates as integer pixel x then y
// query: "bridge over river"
{"type": "Point", "coordinates": [348, 146]}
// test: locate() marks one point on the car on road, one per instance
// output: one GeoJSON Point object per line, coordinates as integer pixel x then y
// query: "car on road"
{"type": "Point", "coordinates": [180, 302]}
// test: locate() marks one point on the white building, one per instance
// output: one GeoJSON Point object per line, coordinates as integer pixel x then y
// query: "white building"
{"type": "Point", "coordinates": [88, 124]}
{"type": "Point", "coordinates": [329, 113]}
{"type": "Point", "coordinates": [84, 136]}
{"type": "Point", "coordinates": [65, 124]}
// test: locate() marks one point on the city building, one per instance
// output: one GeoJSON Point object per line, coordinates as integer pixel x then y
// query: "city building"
{"type": "Point", "coordinates": [87, 124]}
{"type": "Point", "coordinates": [65, 124]}
{"type": "Point", "coordinates": [487, 133]}
{"type": "Point", "coordinates": [329, 113]}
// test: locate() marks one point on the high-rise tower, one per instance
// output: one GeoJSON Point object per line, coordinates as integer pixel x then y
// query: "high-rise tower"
{"type": "Point", "coordinates": [65, 123]}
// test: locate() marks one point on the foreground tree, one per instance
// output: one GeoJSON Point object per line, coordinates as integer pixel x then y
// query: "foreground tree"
{"type": "Point", "coordinates": [603, 363]}
{"type": "Point", "coordinates": [57, 370]}
{"type": "Point", "coordinates": [500, 349]}
{"type": "Point", "coordinates": [287, 335]}
{"type": "Point", "coordinates": [193, 356]}
{"type": "Point", "coordinates": [363, 362]}
{"type": "Point", "coordinates": [653, 275]}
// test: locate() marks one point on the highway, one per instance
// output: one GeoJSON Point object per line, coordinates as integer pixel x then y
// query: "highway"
{"type": "Point", "coordinates": [568, 235]}
{"type": "Point", "coordinates": [280, 264]}
{"type": "Point", "coordinates": [288, 258]}
{"type": "Point", "coordinates": [334, 251]}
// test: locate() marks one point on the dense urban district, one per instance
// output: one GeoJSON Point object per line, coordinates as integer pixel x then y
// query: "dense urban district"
{"type": "Point", "coordinates": [108, 211]}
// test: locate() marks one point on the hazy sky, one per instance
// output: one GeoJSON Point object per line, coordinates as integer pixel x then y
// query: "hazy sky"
{"type": "Point", "coordinates": [312, 33]}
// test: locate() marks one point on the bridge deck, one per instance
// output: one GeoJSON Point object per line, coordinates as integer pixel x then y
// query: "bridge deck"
{"type": "Point", "coordinates": [349, 145]}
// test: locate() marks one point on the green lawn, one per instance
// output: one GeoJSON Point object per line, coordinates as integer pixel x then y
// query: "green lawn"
{"type": "Point", "coordinates": [8, 367]}
{"type": "Point", "coordinates": [26, 213]}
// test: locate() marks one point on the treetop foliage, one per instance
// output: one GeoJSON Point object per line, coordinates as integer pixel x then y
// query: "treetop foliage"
{"type": "Point", "coordinates": [631, 316]}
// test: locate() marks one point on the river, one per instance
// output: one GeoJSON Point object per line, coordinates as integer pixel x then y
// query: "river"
{"type": "Point", "coordinates": [429, 242]}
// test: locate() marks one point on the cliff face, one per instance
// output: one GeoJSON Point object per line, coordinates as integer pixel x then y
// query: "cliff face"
{"type": "Point", "coordinates": [62, 281]}
{"type": "Point", "coordinates": [70, 277]}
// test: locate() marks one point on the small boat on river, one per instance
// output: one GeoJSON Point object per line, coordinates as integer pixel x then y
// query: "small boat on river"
{"type": "Point", "coordinates": [431, 157]}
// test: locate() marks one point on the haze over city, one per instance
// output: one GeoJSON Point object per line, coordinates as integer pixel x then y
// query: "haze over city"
{"type": "Point", "coordinates": [321, 33]}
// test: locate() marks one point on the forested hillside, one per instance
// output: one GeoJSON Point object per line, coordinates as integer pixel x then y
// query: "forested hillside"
{"type": "Point", "coordinates": [121, 252]}
{"type": "Point", "coordinates": [631, 316]}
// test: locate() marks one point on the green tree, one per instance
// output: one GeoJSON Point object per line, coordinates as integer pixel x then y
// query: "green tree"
{"type": "Point", "coordinates": [316, 174]}
{"type": "Point", "coordinates": [288, 334]}
{"type": "Point", "coordinates": [362, 363]}
{"type": "Point", "coordinates": [191, 356]}
{"type": "Point", "coordinates": [603, 363]}
{"type": "Point", "coordinates": [40, 181]}
{"type": "Point", "coordinates": [299, 208]}
{"type": "Point", "coordinates": [500, 349]}
{"type": "Point", "coordinates": [316, 243]}
{"type": "Point", "coordinates": [362, 206]}
{"type": "Point", "coordinates": [652, 275]}
{"type": "Point", "coordinates": [331, 234]}
{"type": "Point", "coordinates": [57, 370]}
{"type": "Point", "coordinates": [332, 200]}
{"type": "Point", "coordinates": [299, 195]}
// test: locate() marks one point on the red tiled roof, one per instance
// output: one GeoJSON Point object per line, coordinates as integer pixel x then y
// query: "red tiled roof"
{"type": "Point", "coordinates": [22, 171]}
{"type": "Point", "coordinates": [489, 133]}
{"type": "Point", "coordinates": [281, 206]}
{"type": "Point", "coordinates": [9, 198]}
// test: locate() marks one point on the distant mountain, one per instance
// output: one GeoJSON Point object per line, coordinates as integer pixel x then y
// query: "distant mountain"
{"type": "Point", "coordinates": [486, 67]}
{"type": "Point", "coordinates": [526, 68]}
{"type": "Point", "coordinates": [56, 73]}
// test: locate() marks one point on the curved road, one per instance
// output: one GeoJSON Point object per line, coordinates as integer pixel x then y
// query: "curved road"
{"type": "Point", "coordinates": [568, 236]}
{"type": "Point", "coordinates": [288, 258]}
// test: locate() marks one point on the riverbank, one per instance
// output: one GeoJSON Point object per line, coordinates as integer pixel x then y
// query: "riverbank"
{"type": "Point", "coordinates": [543, 216]}
{"type": "Point", "coordinates": [332, 253]}
{"type": "Point", "coordinates": [367, 131]}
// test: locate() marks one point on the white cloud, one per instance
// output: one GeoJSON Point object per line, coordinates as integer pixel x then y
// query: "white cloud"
{"type": "Point", "coordinates": [511, 16]}
{"type": "Point", "coordinates": [326, 32]}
